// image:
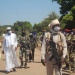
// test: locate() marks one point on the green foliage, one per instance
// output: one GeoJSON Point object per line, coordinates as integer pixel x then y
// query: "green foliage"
{"type": "Point", "coordinates": [68, 17]}
{"type": "Point", "coordinates": [22, 26]}
{"type": "Point", "coordinates": [65, 5]}
{"type": "Point", "coordinates": [73, 10]}
{"type": "Point", "coordinates": [67, 9]}
{"type": "Point", "coordinates": [43, 25]}
{"type": "Point", "coordinates": [17, 27]}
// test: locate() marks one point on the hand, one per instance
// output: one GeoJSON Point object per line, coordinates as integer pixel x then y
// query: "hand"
{"type": "Point", "coordinates": [43, 61]}
{"type": "Point", "coordinates": [15, 48]}
{"type": "Point", "coordinates": [2, 52]}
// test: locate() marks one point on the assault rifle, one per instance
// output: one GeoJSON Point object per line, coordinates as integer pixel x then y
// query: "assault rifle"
{"type": "Point", "coordinates": [24, 45]}
{"type": "Point", "coordinates": [55, 54]}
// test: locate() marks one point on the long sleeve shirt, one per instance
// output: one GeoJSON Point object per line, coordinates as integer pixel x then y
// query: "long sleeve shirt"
{"type": "Point", "coordinates": [10, 40]}
{"type": "Point", "coordinates": [59, 37]}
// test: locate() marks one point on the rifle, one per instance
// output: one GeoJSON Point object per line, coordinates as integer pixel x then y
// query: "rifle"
{"type": "Point", "coordinates": [23, 44]}
{"type": "Point", "coordinates": [54, 52]}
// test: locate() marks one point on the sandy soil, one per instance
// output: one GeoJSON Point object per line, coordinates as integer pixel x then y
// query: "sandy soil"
{"type": "Point", "coordinates": [34, 68]}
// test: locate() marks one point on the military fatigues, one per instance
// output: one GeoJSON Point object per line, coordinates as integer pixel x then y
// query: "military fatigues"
{"type": "Point", "coordinates": [32, 47]}
{"type": "Point", "coordinates": [24, 50]}
{"type": "Point", "coordinates": [72, 53]}
{"type": "Point", "coordinates": [68, 37]}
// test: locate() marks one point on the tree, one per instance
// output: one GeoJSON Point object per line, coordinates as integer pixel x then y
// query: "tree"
{"type": "Point", "coordinates": [65, 5]}
{"type": "Point", "coordinates": [67, 9]}
{"type": "Point", "coordinates": [19, 26]}
{"type": "Point", "coordinates": [43, 25]}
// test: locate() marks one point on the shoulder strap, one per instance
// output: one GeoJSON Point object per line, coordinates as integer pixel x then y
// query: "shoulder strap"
{"type": "Point", "coordinates": [60, 36]}
{"type": "Point", "coordinates": [60, 42]}
{"type": "Point", "coordinates": [48, 35]}
{"type": "Point", "coordinates": [51, 37]}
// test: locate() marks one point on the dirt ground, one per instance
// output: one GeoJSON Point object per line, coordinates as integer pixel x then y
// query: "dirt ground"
{"type": "Point", "coordinates": [34, 68]}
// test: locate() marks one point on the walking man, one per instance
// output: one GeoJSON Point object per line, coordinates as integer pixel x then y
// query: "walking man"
{"type": "Point", "coordinates": [24, 49]}
{"type": "Point", "coordinates": [32, 47]}
{"type": "Point", "coordinates": [54, 49]}
{"type": "Point", "coordinates": [9, 47]}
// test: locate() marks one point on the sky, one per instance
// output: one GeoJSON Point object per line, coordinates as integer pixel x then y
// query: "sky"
{"type": "Point", "coordinates": [33, 11]}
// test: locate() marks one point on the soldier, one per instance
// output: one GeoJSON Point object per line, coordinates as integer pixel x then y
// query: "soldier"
{"type": "Point", "coordinates": [23, 42]}
{"type": "Point", "coordinates": [68, 38]}
{"type": "Point", "coordinates": [72, 51]}
{"type": "Point", "coordinates": [32, 47]}
{"type": "Point", "coordinates": [54, 49]}
{"type": "Point", "coordinates": [41, 37]}
{"type": "Point", "coordinates": [36, 38]}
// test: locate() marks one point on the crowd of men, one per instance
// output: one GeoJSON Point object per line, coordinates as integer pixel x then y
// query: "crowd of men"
{"type": "Point", "coordinates": [57, 47]}
{"type": "Point", "coordinates": [27, 45]}
{"type": "Point", "coordinates": [70, 58]}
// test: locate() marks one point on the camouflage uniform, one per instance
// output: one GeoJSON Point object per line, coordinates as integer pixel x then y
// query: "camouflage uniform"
{"type": "Point", "coordinates": [32, 47]}
{"type": "Point", "coordinates": [24, 49]}
{"type": "Point", "coordinates": [72, 53]}
{"type": "Point", "coordinates": [68, 38]}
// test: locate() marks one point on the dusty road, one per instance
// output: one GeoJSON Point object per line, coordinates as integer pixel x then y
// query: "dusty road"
{"type": "Point", "coordinates": [35, 68]}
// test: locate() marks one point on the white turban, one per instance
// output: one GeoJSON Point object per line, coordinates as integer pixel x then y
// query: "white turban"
{"type": "Point", "coordinates": [8, 28]}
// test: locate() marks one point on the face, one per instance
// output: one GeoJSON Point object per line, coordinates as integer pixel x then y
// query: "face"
{"type": "Point", "coordinates": [56, 27]}
{"type": "Point", "coordinates": [9, 31]}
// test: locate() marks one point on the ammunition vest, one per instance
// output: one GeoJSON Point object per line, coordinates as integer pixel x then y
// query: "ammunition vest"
{"type": "Point", "coordinates": [58, 41]}
{"type": "Point", "coordinates": [68, 37]}
{"type": "Point", "coordinates": [73, 37]}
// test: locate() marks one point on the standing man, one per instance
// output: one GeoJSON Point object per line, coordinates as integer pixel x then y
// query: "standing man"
{"type": "Point", "coordinates": [54, 49]}
{"type": "Point", "coordinates": [9, 47]}
{"type": "Point", "coordinates": [72, 52]}
{"type": "Point", "coordinates": [42, 35]}
{"type": "Point", "coordinates": [67, 60]}
{"type": "Point", "coordinates": [32, 47]}
{"type": "Point", "coordinates": [24, 49]}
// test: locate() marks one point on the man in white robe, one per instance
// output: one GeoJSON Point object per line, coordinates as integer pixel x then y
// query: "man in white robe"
{"type": "Point", "coordinates": [9, 47]}
{"type": "Point", "coordinates": [51, 65]}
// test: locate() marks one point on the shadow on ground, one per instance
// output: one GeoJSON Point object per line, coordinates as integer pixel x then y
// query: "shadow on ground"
{"type": "Point", "coordinates": [2, 71]}
{"type": "Point", "coordinates": [65, 74]}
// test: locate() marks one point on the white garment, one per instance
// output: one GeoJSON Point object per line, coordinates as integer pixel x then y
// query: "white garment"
{"type": "Point", "coordinates": [9, 44]}
{"type": "Point", "coordinates": [10, 40]}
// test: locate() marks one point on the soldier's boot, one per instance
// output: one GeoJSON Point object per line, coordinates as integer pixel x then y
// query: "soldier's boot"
{"type": "Point", "coordinates": [21, 64]}
{"type": "Point", "coordinates": [21, 60]}
{"type": "Point", "coordinates": [66, 67]}
{"type": "Point", "coordinates": [73, 68]}
{"type": "Point", "coordinates": [25, 66]}
{"type": "Point", "coordinates": [30, 57]}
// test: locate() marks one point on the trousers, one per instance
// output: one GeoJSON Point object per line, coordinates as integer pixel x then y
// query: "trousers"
{"type": "Point", "coordinates": [51, 67]}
